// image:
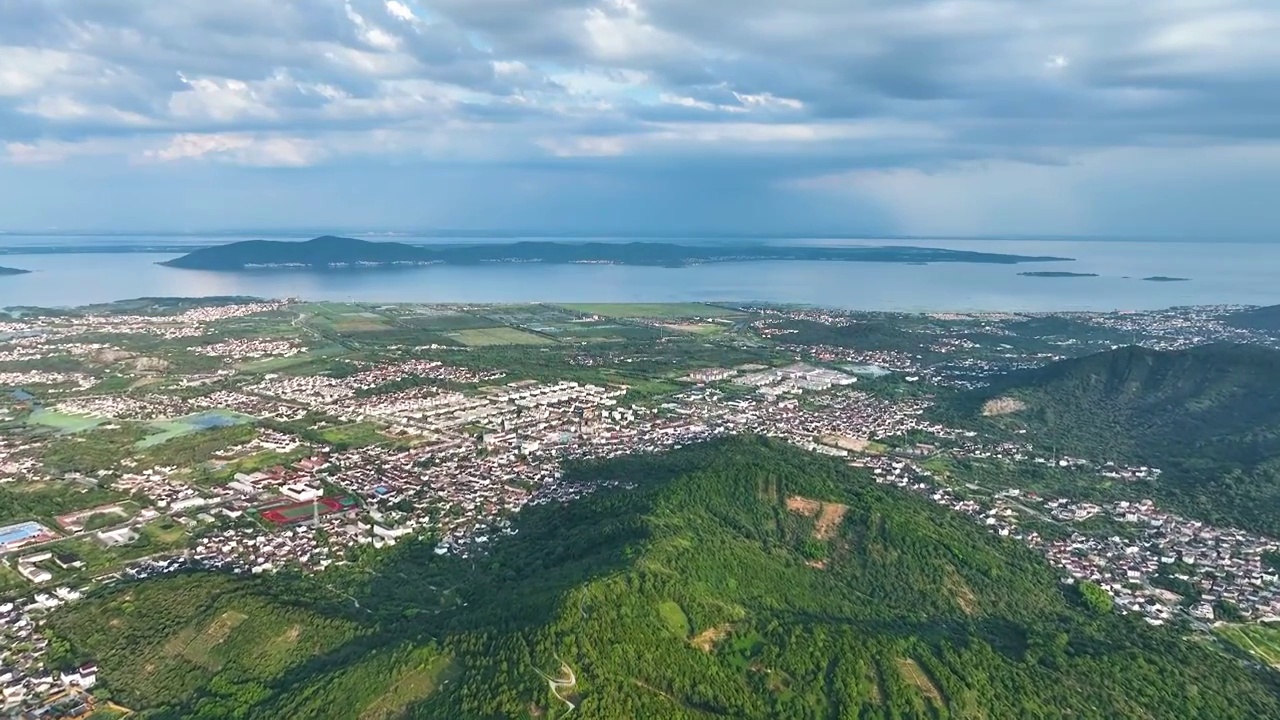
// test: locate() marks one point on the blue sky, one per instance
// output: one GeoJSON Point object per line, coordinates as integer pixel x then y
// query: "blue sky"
{"type": "Point", "coordinates": [958, 117]}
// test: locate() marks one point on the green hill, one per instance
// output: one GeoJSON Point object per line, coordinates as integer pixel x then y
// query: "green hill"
{"type": "Point", "coordinates": [1266, 319]}
{"type": "Point", "coordinates": [740, 579]}
{"type": "Point", "coordinates": [1208, 416]}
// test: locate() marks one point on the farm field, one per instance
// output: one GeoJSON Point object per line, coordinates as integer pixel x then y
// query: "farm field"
{"type": "Point", "coordinates": [481, 337]}
{"type": "Point", "coordinates": [62, 422]}
{"type": "Point", "coordinates": [695, 328]}
{"type": "Point", "coordinates": [277, 364]}
{"type": "Point", "coordinates": [447, 322]}
{"type": "Point", "coordinates": [652, 310]}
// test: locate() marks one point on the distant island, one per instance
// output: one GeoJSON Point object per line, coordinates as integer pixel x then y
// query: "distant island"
{"type": "Point", "coordinates": [329, 252]}
{"type": "Point", "coordinates": [1165, 278]}
{"type": "Point", "coordinates": [13, 271]}
{"type": "Point", "coordinates": [1057, 274]}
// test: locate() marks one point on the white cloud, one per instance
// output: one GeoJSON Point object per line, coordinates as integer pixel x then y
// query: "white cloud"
{"type": "Point", "coordinates": [400, 11]}
{"type": "Point", "coordinates": [372, 35]}
{"type": "Point", "coordinates": [66, 108]}
{"type": "Point", "coordinates": [768, 100]}
{"type": "Point", "coordinates": [238, 148]}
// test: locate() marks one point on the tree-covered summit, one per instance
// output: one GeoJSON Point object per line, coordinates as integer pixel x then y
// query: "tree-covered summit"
{"type": "Point", "coordinates": [736, 579]}
{"type": "Point", "coordinates": [1209, 416]}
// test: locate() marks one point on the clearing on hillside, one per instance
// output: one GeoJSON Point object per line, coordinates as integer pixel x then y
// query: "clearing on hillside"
{"type": "Point", "coordinates": [1261, 641]}
{"type": "Point", "coordinates": [828, 515]}
{"type": "Point", "coordinates": [961, 591]}
{"type": "Point", "coordinates": [829, 520]}
{"type": "Point", "coordinates": [1002, 406]}
{"type": "Point", "coordinates": [200, 649]}
{"type": "Point", "coordinates": [803, 506]}
{"type": "Point", "coordinates": [410, 685]}
{"type": "Point", "coordinates": [914, 674]}
{"type": "Point", "coordinates": [708, 639]}
{"type": "Point", "coordinates": [674, 618]}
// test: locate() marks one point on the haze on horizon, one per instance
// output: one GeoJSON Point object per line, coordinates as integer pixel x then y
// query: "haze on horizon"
{"type": "Point", "coordinates": [907, 117]}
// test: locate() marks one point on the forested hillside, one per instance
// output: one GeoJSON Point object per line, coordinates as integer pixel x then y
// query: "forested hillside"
{"type": "Point", "coordinates": [1209, 416]}
{"type": "Point", "coordinates": [1266, 319]}
{"type": "Point", "coordinates": [739, 579]}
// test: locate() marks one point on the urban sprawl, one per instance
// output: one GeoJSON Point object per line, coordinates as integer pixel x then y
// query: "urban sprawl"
{"type": "Point", "coordinates": [325, 464]}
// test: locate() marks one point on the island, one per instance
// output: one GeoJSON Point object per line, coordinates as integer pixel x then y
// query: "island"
{"type": "Point", "coordinates": [1057, 274]}
{"type": "Point", "coordinates": [330, 253]}
{"type": "Point", "coordinates": [13, 271]}
{"type": "Point", "coordinates": [1165, 278]}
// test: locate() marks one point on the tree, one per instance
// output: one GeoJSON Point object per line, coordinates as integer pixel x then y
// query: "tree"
{"type": "Point", "coordinates": [1095, 599]}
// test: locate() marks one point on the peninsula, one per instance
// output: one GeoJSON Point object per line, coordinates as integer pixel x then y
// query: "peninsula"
{"type": "Point", "coordinates": [1057, 274]}
{"type": "Point", "coordinates": [1165, 278]}
{"type": "Point", "coordinates": [13, 271]}
{"type": "Point", "coordinates": [329, 252]}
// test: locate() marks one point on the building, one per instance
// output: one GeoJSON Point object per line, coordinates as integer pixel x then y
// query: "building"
{"type": "Point", "coordinates": [301, 492]}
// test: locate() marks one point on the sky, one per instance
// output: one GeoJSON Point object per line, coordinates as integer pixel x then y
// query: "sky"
{"type": "Point", "coordinates": [905, 117]}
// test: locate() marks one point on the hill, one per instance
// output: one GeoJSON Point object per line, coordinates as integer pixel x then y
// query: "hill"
{"type": "Point", "coordinates": [1266, 319]}
{"type": "Point", "coordinates": [333, 252]}
{"type": "Point", "coordinates": [318, 252]}
{"type": "Point", "coordinates": [1208, 416]}
{"type": "Point", "coordinates": [13, 271]}
{"type": "Point", "coordinates": [738, 579]}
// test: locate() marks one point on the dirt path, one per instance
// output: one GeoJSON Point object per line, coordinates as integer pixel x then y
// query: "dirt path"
{"type": "Point", "coordinates": [558, 684]}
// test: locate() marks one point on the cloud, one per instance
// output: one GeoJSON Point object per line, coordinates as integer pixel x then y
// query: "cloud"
{"type": "Point", "coordinates": [804, 89]}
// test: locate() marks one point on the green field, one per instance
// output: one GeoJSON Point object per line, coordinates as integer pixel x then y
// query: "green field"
{"type": "Point", "coordinates": [62, 422]}
{"type": "Point", "coordinates": [653, 310]}
{"type": "Point", "coordinates": [480, 337]}
{"type": "Point", "coordinates": [354, 435]}
{"type": "Point", "coordinates": [449, 321]}
{"type": "Point", "coordinates": [695, 328]}
{"type": "Point", "coordinates": [277, 364]}
{"type": "Point", "coordinates": [1261, 641]}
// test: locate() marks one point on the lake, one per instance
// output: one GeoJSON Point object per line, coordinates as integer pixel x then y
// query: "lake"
{"type": "Point", "coordinates": [1221, 273]}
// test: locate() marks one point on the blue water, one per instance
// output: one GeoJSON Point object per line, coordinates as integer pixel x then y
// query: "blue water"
{"type": "Point", "coordinates": [1220, 272]}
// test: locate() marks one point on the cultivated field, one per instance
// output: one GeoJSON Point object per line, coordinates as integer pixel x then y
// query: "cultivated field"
{"type": "Point", "coordinates": [62, 422]}
{"type": "Point", "coordinates": [481, 337]}
{"type": "Point", "coordinates": [652, 310]}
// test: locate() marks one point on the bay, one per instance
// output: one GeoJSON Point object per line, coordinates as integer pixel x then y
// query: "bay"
{"type": "Point", "coordinates": [1219, 272]}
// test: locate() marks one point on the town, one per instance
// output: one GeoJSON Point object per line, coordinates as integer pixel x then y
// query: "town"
{"type": "Point", "coordinates": [251, 436]}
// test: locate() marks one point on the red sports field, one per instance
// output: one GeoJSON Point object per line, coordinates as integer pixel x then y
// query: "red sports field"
{"type": "Point", "coordinates": [303, 511]}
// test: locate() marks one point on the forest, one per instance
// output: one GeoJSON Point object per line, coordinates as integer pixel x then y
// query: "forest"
{"type": "Point", "coordinates": [737, 579]}
{"type": "Point", "coordinates": [1208, 417]}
